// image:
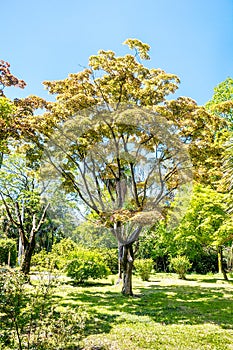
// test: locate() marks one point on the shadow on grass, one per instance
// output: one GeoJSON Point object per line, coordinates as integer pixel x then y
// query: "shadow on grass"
{"type": "Point", "coordinates": [87, 284]}
{"type": "Point", "coordinates": [193, 305]}
{"type": "Point", "coordinates": [214, 280]}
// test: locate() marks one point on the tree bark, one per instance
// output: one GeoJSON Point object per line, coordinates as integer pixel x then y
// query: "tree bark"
{"type": "Point", "coordinates": [126, 259]}
{"type": "Point", "coordinates": [221, 268]}
{"type": "Point", "coordinates": [26, 264]}
{"type": "Point", "coordinates": [29, 244]}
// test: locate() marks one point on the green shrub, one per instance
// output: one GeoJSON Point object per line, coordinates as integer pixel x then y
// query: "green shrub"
{"type": "Point", "coordinates": [30, 320]}
{"type": "Point", "coordinates": [206, 261]}
{"type": "Point", "coordinates": [144, 268]}
{"type": "Point", "coordinates": [110, 257]}
{"type": "Point", "coordinates": [64, 247]}
{"type": "Point", "coordinates": [44, 260]}
{"type": "Point", "coordinates": [62, 251]}
{"type": "Point", "coordinates": [8, 246]}
{"type": "Point", "coordinates": [180, 265]}
{"type": "Point", "coordinates": [57, 258]}
{"type": "Point", "coordinates": [84, 264]}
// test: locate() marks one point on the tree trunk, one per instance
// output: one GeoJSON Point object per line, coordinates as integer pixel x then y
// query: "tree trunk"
{"type": "Point", "coordinates": [126, 259]}
{"type": "Point", "coordinates": [230, 261]}
{"type": "Point", "coordinates": [28, 251]}
{"type": "Point", "coordinates": [29, 245]}
{"type": "Point", "coordinates": [221, 268]}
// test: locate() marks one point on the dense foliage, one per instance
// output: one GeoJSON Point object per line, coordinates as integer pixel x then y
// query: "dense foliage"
{"type": "Point", "coordinates": [144, 268]}
{"type": "Point", "coordinates": [8, 251]}
{"type": "Point", "coordinates": [79, 263]}
{"type": "Point", "coordinates": [181, 265]}
{"type": "Point", "coordinates": [111, 108]}
{"type": "Point", "coordinates": [83, 264]}
{"type": "Point", "coordinates": [30, 320]}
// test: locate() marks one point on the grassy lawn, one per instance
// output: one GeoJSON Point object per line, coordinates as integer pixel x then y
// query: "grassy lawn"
{"type": "Point", "coordinates": [166, 313]}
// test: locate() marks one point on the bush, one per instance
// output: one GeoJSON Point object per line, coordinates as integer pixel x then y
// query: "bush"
{"type": "Point", "coordinates": [110, 257]}
{"type": "Point", "coordinates": [144, 268]}
{"type": "Point", "coordinates": [62, 251]}
{"type": "Point", "coordinates": [84, 264]}
{"type": "Point", "coordinates": [180, 265]}
{"type": "Point", "coordinates": [44, 260]}
{"type": "Point", "coordinates": [205, 262]}
{"type": "Point", "coordinates": [57, 258]}
{"type": "Point", "coordinates": [30, 320]}
{"type": "Point", "coordinates": [78, 262]}
{"type": "Point", "coordinates": [64, 247]}
{"type": "Point", "coordinates": [8, 246]}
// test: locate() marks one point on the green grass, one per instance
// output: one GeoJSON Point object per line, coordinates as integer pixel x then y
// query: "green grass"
{"type": "Point", "coordinates": [166, 313]}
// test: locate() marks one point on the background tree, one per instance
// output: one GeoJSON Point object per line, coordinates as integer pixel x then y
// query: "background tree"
{"type": "Point", "coordinates": [221, 103]}
{"type": "Point", "coordinates": [21, 198]}
{"type": "Point", "coordinates": [206, 223]}
{"type": "Point", "coordinates": [7, 78]}
{"type": "Point", "coordinates": [90, 234]}
{"type": "Point", "coordinates": [62, 217]}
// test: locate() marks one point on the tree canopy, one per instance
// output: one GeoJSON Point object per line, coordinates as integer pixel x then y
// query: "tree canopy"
{"type": "Point", "coordinates": [120, 145]}
{"type": "Point", "coordinates": [117, 144]}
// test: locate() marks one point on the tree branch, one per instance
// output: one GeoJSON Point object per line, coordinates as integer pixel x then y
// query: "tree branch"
{"type": "Point", "coordinates": [8, 211]}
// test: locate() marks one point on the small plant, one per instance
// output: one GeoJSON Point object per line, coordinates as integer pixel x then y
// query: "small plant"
{"type": "Point", "coordinates": [180, 265]}
{"type": "Point", "coordinates": [144, 268]}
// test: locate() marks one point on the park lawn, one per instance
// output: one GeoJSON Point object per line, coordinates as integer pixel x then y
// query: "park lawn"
{"type": "Point", "coordinates": [166, 313]}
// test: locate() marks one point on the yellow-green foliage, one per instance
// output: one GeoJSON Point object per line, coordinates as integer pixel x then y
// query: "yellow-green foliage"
{"type": "Point", "coordinates": [144, 268]}
{"type": "Point", "coordinates": [181, 265]}
{"type": "Point", "coordinates": [84, 264]}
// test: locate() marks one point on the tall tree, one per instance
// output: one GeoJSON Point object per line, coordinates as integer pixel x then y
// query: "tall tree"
{"type": "Point", "coordinates": [18, 122]}
{"type": "Point", "coordinates": [142, 147]}
{"type": "Point", "coordinates": [221, 104]}
{"type": "Point", "coordinates": [125, 172]}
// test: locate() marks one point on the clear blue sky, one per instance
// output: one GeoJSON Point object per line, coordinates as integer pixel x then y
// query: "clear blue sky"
{"type": "Point", "coordinates": [47, 39]}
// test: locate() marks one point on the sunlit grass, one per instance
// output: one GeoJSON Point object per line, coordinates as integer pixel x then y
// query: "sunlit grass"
{"type": "Point", "coordinates": [165, 313]}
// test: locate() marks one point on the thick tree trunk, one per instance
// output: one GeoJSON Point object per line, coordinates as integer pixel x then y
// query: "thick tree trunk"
{"type": "Point", "coordinates": [29, 244]}
{"type": "Point", "coordinates": [221, 268]}
{"type": "Point", "coordinates": [28, 251]}
{"type": "Point", "coordinates": [126, 268]}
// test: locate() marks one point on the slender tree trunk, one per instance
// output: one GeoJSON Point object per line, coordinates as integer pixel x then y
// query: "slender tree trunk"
{"type": "Point", "coordinates": [221, 268]}
{"type": "Point", "coordinates": [230, 261]}
{"type": "Point", "coordinates": [126, 259]}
